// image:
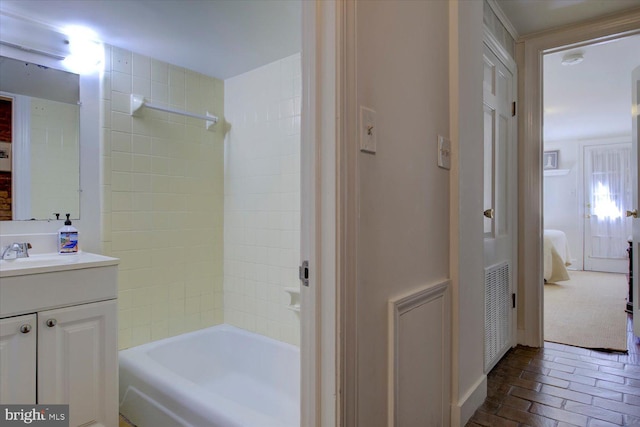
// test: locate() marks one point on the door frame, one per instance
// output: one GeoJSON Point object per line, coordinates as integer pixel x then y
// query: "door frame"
{"type": "Point", "coordinates": [20, 154]}
{"type": "Point", "coordinates": [321, 228]}
{"type": "Point", "coordinates": [529, 52]}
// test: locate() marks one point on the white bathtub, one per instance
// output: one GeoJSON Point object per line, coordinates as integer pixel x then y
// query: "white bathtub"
{"type": "Point", "coordinates": [217, 377]}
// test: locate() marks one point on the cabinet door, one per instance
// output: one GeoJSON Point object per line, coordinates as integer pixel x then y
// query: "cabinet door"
{"type": "Point", "coordinates": [18, 360]}
{"type": "Point", "coordinates": [77, 362]}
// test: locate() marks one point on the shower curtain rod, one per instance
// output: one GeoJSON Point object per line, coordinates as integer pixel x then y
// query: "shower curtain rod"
{"type": "Point", "coordinates": [138, 101]}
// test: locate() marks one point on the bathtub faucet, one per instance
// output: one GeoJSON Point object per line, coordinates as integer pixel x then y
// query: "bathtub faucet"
{"type": "Point", "coordinates": [16, 250]}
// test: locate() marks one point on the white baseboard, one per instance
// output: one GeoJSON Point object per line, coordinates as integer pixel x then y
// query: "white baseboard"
{"type": "Point", "coordinates": [473, 398]}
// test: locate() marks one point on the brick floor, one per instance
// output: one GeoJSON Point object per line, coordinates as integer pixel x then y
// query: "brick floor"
{"type": "Point", "coordinates": [560, 385]}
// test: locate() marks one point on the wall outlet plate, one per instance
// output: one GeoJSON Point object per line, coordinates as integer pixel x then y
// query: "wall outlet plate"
{"type": "Point", "coordinates": [444, 152]}
{"type": "Point", "coordinates": [368, 130]}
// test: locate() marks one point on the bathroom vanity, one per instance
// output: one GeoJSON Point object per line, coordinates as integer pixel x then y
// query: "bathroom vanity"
{"type": "Point", "coordinates": [58, 334]}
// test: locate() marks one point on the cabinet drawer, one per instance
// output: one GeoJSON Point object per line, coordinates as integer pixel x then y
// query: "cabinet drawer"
{"type": "Point", "coordinates": [36, 292]}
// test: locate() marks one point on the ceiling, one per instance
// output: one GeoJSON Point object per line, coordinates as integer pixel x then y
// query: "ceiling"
{"type": "Point", "coordinates": [219, 38]}
{"type": "Point", "coordinates": [591, 99]}
{"type": "Point", "coordinates": [224, 38]}
{"type": "Point", "coordinates": [532, 16]}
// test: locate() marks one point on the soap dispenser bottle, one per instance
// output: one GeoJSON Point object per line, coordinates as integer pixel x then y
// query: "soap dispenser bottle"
{"type": "Point", "coordinates": [68, 238]}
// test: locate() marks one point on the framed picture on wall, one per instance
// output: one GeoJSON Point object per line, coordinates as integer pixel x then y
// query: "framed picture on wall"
{"type": "Point", "coordinates": [550, 160]}
{"type": "Point", "coordinates": [5, 157]}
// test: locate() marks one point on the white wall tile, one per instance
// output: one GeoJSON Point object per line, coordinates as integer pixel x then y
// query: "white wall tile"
{"type": "Point", "coordinates": [121, 181]}
{"type": "Point", "coordinates": [261, 189]}
{"type": "Point", "coordinates": [120, 102]}
{"type": "Point", "coordinates": [120, 141]}
{"type": "Point", "coordinates": [164, 187]}
{"type": "Point", "coordinates": [140, 144]}
{"type": "Point", "coordinates": [159, 71]}
{"type": "Point", "coordinates": [120, 82]}
{"type": "Point", "coordinates": [120, 121]}
{"type": "Point", "coordinates": [145, 207]}
{"type": "Point", "coordinates": [141, 66]}
{"type": "Point", "coordinates": [141, 86]}
{"type": "Point", "coordinates": [120, 60]}
{"type": "Point", "coordinates": [140, 334]}
{"type": "Point", "coordinates": [159, 93]}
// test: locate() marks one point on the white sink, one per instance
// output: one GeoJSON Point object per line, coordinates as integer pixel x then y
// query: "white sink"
{"type": "Point", "coordinates": [45, 263]}
{"type": "Point", "coordinates": [48, 281]}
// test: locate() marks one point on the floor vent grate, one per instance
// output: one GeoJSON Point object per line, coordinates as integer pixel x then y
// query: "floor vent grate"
{"type": "Point", "coordinates": [497, 313]}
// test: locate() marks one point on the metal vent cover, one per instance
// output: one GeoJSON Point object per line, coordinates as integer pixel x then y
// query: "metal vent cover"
{"type": "Point", "coordinates": [497, 313]}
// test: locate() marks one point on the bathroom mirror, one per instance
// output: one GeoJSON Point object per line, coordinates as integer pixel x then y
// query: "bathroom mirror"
{"type": "Point", "coordinates": [39, 141]}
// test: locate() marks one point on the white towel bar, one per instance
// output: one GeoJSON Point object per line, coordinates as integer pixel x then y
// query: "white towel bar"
{"type": "Point", "coordinates": [138, 101]}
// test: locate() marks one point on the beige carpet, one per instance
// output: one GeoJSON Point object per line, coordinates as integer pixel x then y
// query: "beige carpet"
{"type": "Point", "coordinates": [587, 311]}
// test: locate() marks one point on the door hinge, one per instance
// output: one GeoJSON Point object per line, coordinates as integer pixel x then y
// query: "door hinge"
{"type": "Point", "coordinates": [303, 273]}
{"type": "Point", "coordinates": [513, 109]}
{"type": "Point", "coordinates": [513, 300]}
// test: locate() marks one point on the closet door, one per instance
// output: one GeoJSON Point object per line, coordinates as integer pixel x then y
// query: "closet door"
{"type": "Point", "coordinates": [499, 206]}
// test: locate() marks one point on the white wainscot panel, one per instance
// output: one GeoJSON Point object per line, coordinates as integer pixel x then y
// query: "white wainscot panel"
{"type": "Point", "coordinates": [419, 357]}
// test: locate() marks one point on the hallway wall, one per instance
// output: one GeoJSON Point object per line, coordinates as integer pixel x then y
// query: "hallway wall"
{"type": "Point", "coordinates": [402, 62]}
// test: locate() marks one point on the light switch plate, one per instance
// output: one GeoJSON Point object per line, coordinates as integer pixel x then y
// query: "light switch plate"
{"type": "Point", "coordinates": [368, 130]}
{"type": "Point", "coordinates": [444, 152]}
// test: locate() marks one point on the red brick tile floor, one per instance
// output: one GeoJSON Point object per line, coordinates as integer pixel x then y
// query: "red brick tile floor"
{"type": "Point", "coordinates": [559, 386]}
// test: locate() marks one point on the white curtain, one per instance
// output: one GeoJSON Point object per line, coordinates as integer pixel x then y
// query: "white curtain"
{"type": "Point", "coordinates": [610, 189]}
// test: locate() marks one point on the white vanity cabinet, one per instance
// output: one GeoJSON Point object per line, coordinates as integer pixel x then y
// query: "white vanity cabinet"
{"type": "Point", "coordinates": [77, 361]}
{"type": "Point", "coordinates": [18, 340]}
{"type": "Point", "coordinates": [58, 337]}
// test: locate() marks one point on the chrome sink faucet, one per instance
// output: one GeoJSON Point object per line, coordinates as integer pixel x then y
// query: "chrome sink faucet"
{"type": "Point", "coordinates": [16, 250]}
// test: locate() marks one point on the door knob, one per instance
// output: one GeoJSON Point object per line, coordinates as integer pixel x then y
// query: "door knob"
{"type": "Point", "coordinates": [51, 323]}
{"type": "Point", "coordinates": [25, 329]}
{"type": "Point", "coordinates": [633, 213]}
{"type": "Point", "coordinates": [489, 213]}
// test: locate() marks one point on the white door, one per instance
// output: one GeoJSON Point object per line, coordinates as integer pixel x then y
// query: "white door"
{"type": "Point", "coordinates": [499, 206]}
{"type": "Point", "coordinates": [635, 156]}
{"type": "Point", "coordinates": [607, 189]}
{"type": "Point", "coordinates": [78, 362]}
{"type": "Point", "coordinates": [18, 360]}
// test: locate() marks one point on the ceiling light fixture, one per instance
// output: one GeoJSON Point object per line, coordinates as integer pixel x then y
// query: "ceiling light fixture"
{"type": "Point", "coordinates": [86, 54]}
{"type": "Point", "coordinates": [21, 34]}
{"type": "Point", "coordinates": [572, 58]}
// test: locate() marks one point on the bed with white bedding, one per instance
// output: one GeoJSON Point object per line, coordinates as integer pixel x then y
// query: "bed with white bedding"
{"type": "Point", "coordinates": [556, 256]}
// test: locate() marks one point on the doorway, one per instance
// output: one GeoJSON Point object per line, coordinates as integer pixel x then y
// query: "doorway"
{"type": "Point", "coordinates": [587, 182]}
{"type": "Point", "coordinates": [531, 52]}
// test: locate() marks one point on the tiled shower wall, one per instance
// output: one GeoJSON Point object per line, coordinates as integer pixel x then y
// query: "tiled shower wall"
{"type": "Point", "coordinates": [262, 199]}
{"type": "Point", "coordinates": [55, 161]}
{"type": "Point", "coordinates": [162, 206]}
